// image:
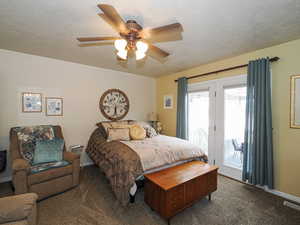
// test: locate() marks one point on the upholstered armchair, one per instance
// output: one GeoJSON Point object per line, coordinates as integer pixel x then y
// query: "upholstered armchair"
{"type": "Point", "coordinates": [47, 182]}
{"type": "Point", "coordinates": [19, 209]}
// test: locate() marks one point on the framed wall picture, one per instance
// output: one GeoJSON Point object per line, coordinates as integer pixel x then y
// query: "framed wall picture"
{"type": "Point", "coordinates": [295, 101]}
{"type": "Point", "coordinates": [168, 102]}
{"type": "Point", "coordinates": [54, 106]}
{"type": "Point", "coordinates": [31, 102]}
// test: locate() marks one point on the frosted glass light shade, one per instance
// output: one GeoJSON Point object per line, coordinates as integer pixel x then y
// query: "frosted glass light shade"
{"type": "Point", "coordinates": [122, 54]}
{"type": "Point", "coordinates": [120, 44]}
{"type": "Point", "coordinates": [142, 46]}
{"type": "Point", "coordinates": [139, 55]}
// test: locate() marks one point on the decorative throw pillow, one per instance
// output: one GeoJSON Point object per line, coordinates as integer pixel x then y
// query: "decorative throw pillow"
{"type": "Point", "coordinates": [118, 134]}
{"type": "Point", "coordinates": [112, 124]}
{"type": "Point", "coordinates": [28, 136]}
{"type": "Point", "coordinates": [150, 131]}
{"type": "Point", "coordinates": [48, 151]}
{"type": "Point", "coordinates": [137, 132]}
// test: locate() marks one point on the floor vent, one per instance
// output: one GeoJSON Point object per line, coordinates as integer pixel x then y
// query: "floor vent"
{"type": "Point", "coordinates": [291, 205]}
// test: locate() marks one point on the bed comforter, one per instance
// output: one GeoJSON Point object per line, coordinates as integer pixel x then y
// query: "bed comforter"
{"type": "Point", "coordinates": [124, 162]}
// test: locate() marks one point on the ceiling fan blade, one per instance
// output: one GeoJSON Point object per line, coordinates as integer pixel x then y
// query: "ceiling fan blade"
{"type": "Point", "coordinates": [88, 39]}
{"type": "Point", "coordinates": [165, 37]}
{"type": "Point", "coordinates": [111, 23]}
{"type": "Point", "coordinates": [148, 33]}
{"type": "Point", "coordinates": [158, 51]}
{"type": "Point", "coordinates": [114, 16]}
{"type": "Point", "coordinates": [92, 44]}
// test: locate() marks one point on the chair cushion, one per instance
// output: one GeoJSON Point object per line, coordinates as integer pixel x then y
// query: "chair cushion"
{"type": "Point", "coordinates": [50, 173]}
{"type": "Point", "coordinates": [48, 151]}
{"type": "Point", "coordinates": [28, 136]}
{"type": "Point", "coordinates": [47, 166]}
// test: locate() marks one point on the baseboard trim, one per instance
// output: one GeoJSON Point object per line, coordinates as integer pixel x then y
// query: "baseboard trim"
{"type": "Point", "coordinates": [283, 195]}
{"type": "Point", "coordinates": [291, 205]}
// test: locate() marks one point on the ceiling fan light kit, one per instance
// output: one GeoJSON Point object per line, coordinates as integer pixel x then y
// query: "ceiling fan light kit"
{"type": "Point", "coordinates": [120, 44]}
{"type": "Point", "coordinates": [132, 36]}
{"type": "Point", "coordinates": [122, 54]}
{"type": "Point", "coordinates": [139, 55]}
{"type": "Point", "coordinates": [139, 47]}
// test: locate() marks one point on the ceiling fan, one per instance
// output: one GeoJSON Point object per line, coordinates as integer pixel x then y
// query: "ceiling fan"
{"type": "Point", "coordinates": [133, 37]}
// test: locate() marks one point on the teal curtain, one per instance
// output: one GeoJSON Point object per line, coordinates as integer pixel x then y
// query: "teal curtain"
{"type": "Point", "coordinates": [258, 146]}
{"type": "Point", "coordinates": [182, 108]}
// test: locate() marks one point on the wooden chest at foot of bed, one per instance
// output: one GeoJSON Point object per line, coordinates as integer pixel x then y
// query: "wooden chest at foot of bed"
{"type": "Point", "coordinates": [171, 190]}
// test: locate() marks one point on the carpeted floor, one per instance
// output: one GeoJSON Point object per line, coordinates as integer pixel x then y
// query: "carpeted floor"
{"type": "Point", "coordinates": [94, 203]}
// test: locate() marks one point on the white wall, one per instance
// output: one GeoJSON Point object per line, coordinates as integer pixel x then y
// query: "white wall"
{"type": "Point", "coordinates": [81, 87]}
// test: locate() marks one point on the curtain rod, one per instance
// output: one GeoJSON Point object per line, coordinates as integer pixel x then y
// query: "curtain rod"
{"type": "Point", "coordinates": [274, 59]}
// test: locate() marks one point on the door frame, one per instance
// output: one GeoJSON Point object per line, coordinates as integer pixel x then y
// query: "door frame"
{"type": "Point", "coordinates": [216, 123]}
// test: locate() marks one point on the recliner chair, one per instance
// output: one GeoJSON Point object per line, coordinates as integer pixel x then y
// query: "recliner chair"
{"type": "Point", "coordinates": [44, 183]}
{"type": "Point", "coordinates": [18, 210]}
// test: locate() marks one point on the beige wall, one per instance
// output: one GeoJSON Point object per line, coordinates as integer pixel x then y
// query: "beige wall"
{"type": "Point", "coordinates": [286, 140]}
{"type": "Point", "coordinates": [81, 87]}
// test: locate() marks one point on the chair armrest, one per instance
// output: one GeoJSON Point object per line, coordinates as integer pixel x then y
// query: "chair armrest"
{"type": "Point", "coordinates": [71, 156]}
{"type": "Point", "coordinates": [20, 164]}
{"type": "Point", "coordinates": [75, 160]}
{"type": "Point", "coordinates": [18, 207]}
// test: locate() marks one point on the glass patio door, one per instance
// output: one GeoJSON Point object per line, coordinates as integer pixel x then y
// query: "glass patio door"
{"type": "Point", "coordinates": [201, 117]}
{"type": "Point", "coordinates": [198, 125]}
{"type": "Point", "coordinates": [234, 126]}
{"type": "Point", "coordinates": [217, 122]}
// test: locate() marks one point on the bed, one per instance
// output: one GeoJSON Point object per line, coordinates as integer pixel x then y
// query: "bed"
{"type": "Point", "coordinates": [125, 162]}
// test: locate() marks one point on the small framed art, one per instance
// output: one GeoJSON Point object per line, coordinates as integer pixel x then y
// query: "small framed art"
{"type": "Point", "coordinates": [295, 102]}
{"type": "Point", "coordinates": [168, 102]}
{"type": "Point", "coordinates": [54, 106]}
{"type": "Point", "coordinates": [31, 102]}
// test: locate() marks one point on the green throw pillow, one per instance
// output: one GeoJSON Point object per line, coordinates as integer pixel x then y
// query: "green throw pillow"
{"type": "Point", "coordinates": [48, 151]}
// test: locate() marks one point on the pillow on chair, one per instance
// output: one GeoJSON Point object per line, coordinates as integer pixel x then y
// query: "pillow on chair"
{"type": "Point", "coordinates": [48, 151]}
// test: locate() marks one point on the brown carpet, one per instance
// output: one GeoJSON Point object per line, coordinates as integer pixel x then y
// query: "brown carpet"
{"type": "Point", "coordinates": [94, 203]}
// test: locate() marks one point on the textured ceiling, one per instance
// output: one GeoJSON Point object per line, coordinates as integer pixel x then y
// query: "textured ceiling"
{"type": "Point", "coordinates": [212, 29]}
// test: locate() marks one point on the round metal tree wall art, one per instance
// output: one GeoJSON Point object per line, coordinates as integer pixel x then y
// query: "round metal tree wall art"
{"type": "Point", "coordinates": [114, 104]}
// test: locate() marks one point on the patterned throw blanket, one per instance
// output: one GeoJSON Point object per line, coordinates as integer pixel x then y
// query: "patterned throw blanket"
{"type": "Point", "coordinates": [29, 135]}
{"type": "Point", "coordinates": [120, 164]}
{"type": "Point", "coordinates": [124, 163]}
